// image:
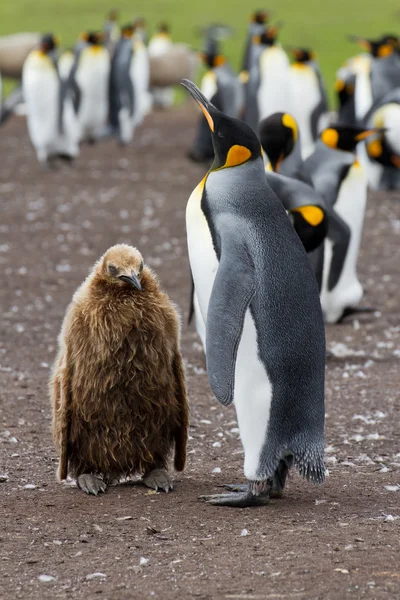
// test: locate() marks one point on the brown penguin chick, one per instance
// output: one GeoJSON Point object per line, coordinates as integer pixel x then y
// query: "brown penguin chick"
{"type": "Point", "coordinates": [118, 384]}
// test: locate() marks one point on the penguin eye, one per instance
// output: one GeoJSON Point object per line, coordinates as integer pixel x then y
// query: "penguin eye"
{"type": "Point", "coordinates": [219, 134]}
{"type": "Point", "coordinates": [141, 268]}
{"type": "Point", "coordinates": [112, 270]}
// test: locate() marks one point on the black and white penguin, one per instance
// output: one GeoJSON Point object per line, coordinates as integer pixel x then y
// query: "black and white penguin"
{"type": "Point", "coordinates": [111, 30]}
{"type": "Point", "coordinates": [309, 102]}
{"type": "Point", "coordinates": [258, 296]}
{"type": "Point", "coordinates": [339, 177]}
{"type": "Point", "coordinates": [268, 85]}
{"type": "Point", "coordinates": [223, 89]}
{"type": "Point", "coordinates": [258, 25]}
{"type": "Point", "coordinates": [141, 72]}
{"type": "Point", "coordinates": [382, 152]}
{"type": "Point", "coordinates": [122, 92]}
{"type": "Point", "coordinates": [89, 80]}
{"type": "Point", "coordinates": [52, 124]}
{"type": "Point", "coordinates": [345, 84]}
{"type": "Point", "coordinates": [160, 44]}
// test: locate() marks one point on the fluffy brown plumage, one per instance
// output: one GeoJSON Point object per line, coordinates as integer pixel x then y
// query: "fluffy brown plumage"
{"type": "Point", "coordinates": [118, 385]}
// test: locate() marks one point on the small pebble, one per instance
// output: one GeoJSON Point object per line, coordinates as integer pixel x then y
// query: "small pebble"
{"type": "Point", "coordinates": [143, 561]}
{"type": "Point", "coordinates": [244, 532]}
{"type": "Point", "coordinates": [216, 470]}
{"type": "Point", "coordinates": [46, 578]}
{"type": "Point", "coordinates": [95, 576]}
{"type": "Point", "coordinates": [29, 486]}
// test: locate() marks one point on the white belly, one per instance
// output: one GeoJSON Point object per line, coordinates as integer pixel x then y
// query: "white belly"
{"type": "Point", "coordinates": [305, 95]}
{"type": "Point", "coordinates": [42, 108]}
{"type": "Point", "coordinates": [350, 205]}
{"type": "Point", "coordinates": [274, 91]}
{"type": "Point", "coordinates": [253, 390]}
{"type": "Point", "coordinates": [92, 77]}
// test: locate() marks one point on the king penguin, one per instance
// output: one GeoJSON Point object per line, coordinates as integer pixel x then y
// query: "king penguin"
{"type": "Point", "coordinates": [160, 44]}
{"type": "Point", "coordinates": [259, 299]}
{"type": "Point", "coordinates": [258, 25]}
{"type": "Point", "coordinates": [309, 103]}
{"type": "Point", "coordinates": [89, 79]}
{"type": "Point", "coordinates": [52, 125]}
{"type": "Point", "coordinates": [122, 88]}
{"type": "Point", "coordinates": [339, 177]}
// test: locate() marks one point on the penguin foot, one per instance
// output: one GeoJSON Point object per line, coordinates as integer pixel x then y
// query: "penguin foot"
{"type": "Point", "coordinates": [236, 487]}
{"type": "Point", "coordinates": [256, 493]}
{"type": "Point", "coordinates": [279, 478]}
{"type": "Point", "coordinates": [356, 310]}
{"type": "Point", "coordinates": [90, 484]}
{"type": "Point", "coordinates": [158, 479]}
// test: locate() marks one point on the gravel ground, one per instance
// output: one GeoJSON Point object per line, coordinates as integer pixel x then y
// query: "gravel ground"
{"type": "Point", "coordinates": [341, 540]}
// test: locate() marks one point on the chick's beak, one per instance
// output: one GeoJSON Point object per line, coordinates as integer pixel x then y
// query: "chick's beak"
{"type": "Point", "coordinates": [201, 100]}
{"type": "Point", "coordinates": [132, 280]}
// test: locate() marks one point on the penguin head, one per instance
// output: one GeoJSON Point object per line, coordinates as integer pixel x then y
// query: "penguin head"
{"type": "Point", "coordinates": [113, 15]}
{"type": "Point", "coordinates": [127, 31]}
{"type": "Point", "coordinates": [164, 28]}
{"type": "Point", "coordinates": [278, 136]}
{"type": "Point", "coordinates": [121, 265]}
{"type": "Point", "coordinates": [233, 140]}
{"type": "Point", "coordinates": [268, 37]}
{"type": "Point", "coordinates": [379, 151]}
{"type": "Point", "coordinates": [344, 137]}
{"type": "Point", "coordinates": [381, 48]}
{"type": "Point", "coordinates": [302, 55]}
{"type": "Point", "coordinates": [345, 88]}
{"type": "Point", "coordinates": [260, 17]}
{"type": "Point", "coordinates": [212, 60]}
{"type": "Point", "coordinates": [93, 38]}
{"type": "Point", "coordinates": [48, 43]}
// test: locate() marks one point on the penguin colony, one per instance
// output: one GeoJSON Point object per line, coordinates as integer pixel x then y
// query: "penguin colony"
{"type": "Point", "coordinates": [273, 232]}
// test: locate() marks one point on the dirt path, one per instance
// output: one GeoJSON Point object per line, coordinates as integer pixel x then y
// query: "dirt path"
{"type": "Point", "coordinates": [338, 541]}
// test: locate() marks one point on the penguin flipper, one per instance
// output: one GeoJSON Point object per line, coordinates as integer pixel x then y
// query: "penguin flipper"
{"type": "Point", "coordinates": [339, 232]}
{"type": "Point", "coordinates": [231, 295]}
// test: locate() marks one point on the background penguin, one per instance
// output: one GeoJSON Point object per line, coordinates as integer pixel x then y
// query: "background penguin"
{"type": "Point", "coordinates": [118, 387]}
{"type": "Point", "coordinates": [342, 181]}
{"type": "Point", "coordinates": [111, 30]}
{"type": "Point", "coordinates": [381, 153]}
{"type": "Point", "coordinates": [259, 299]}
{"type": "Point", "coordinates": [52, 125]}
{"type": "Point", "coordinates": [159, 45]}
{"type": "Point", "coordinates": [221, 87]}
{"type": "Point", "coordinates": [140, 73]}
{"type": "Point", "coordinates": [122, 92]}
{"type": "Point", "coordinates": [345, 87]}
{"type": "Point", "coordinates": [309, 103]}
{"type": "Point", "coordinates": [89, 79]}
{"type": "Point", "coordinates": [268, 87]}
{"type": "Point", "coordinates": [258, 25]}
{"type": "Point", "coordinates": [280, 140]}
{"type": "Point", "coordinates": [65, 64]}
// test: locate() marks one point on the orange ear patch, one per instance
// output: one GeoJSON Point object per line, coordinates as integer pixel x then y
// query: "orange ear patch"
{"type": "Point", "coordinates": [237, 155]}
{"type": "Point", "coordinates": [312, 214]}
{"type": "Point", "coordinates": [330, 137]}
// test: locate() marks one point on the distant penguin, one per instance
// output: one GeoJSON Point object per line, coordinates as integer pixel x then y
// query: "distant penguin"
{"type": "Point", "coordinates": [258, 297]}
{"type": "Point", "coordinates": [89, 79]}
{"type": "Point", "coordinates": [258, 25]}
{"type": "Point", "coordinates": [111, 30]}
{"type": "Point", "coordinates": [342, 181]}
{"type": "Point", "coordinates": [280, 139]}
{"type": "Point", "coordinates": [160, 44]}
{"type": "Point", "coordinates": [382, 152]}
{"type": "Point", "coordinates": [123, 99]}
{"type": "Point", "coordinates": [65, 64]}
{"type": "Point", "coordinates": [309, 103]}
{"type": "Point", "coordinates": [345, 87]}
{"type": "Point", "coordinates": [223, 89]}
{"type": "Point", "coordinates": [268, 86]}
{"type": "Point", "coordinates": [51, 121]}
{"type": "Point", "coordinates": [140, 74]}
{"type": "Point", "coordinates": [118, 384]}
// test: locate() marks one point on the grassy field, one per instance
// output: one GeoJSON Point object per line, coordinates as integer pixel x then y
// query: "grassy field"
{"type": "Point", "coordinates": [323, 26]}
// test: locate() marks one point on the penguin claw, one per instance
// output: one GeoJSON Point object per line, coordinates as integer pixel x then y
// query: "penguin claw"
{"type": "Point", "coordinates": [158, 479]}
{"type": "Point", "coordinates": [237, 500]}
{"type": "Point", "coordinates": [236, 487]}
{"type": "Point", "coordinates": [90, 484]}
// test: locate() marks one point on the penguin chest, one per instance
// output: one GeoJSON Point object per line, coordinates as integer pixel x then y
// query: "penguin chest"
{"type": "Point", "coordinates": [350, 205]}
{"type": "Point", "coordinates": [202, 256]}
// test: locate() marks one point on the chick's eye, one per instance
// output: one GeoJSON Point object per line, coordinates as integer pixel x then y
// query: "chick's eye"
{"type": "Point", "coordinates": [112, 270]}
{"type": "Point", "coordinates": [141, 267]}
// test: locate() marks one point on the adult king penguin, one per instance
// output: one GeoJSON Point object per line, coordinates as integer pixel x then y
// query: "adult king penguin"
{"type": "Point", "coordinates": [52, 125]}
{"type": "Point", "coordinates": [258, 296]}
{"type": "Point", "coordinates": [122, 92]}
{"type": "Point", "coordinates": [342, 181]}
{"type": "Point", "coordinates": [89, 79]}
{"type": "Point", "coordinates": [309, 104]}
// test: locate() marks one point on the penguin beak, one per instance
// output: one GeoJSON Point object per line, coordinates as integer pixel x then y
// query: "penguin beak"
{"type": "Point", "coordinates": [364, 134]}
{"type": "Point", "coordinates": [201, 100]}
{"type": "Point", "coordinates": [131, 280]}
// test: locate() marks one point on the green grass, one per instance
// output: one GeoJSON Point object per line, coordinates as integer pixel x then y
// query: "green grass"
{"type": "Point", "coordinates": [323, 26]}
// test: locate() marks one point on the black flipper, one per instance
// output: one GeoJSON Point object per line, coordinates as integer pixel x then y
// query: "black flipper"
{"type": "Point", "coordinates": [339, 232]}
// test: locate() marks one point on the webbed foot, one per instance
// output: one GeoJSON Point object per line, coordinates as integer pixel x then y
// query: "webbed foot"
{"type": "Point", "coordinates": [256, 493]}
{"type": "Point", "coordinates": [90, 484]}
{"type": "Point", "coordinates": [158, 479]}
